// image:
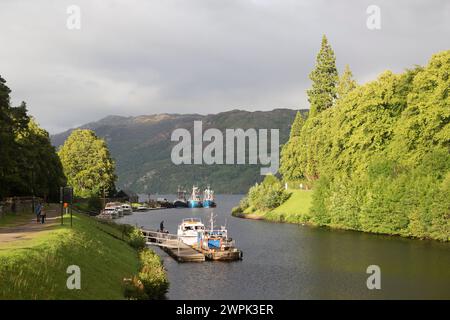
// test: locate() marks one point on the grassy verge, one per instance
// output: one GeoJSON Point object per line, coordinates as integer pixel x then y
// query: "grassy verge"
{"type": "Point", "coordinates": [36, 268]}
{"type": "Point", "coordinates": [9, 219]}
{"type": "Point", "coordinates": [294, 210]}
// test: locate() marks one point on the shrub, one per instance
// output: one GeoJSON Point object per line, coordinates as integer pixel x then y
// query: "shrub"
{"type": "Point", "coordinates": [267, 195]}
{"type": "Point", "coordinates": [137, 239]}
{"type": "Point", "coordinates": [152, 275]}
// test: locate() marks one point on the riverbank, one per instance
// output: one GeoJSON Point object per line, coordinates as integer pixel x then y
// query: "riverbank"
{"type": "Point", "coordinates": [34, 265]}
{"type": "Point", "coordinates": [297, 209]}
{"type": "Point", "coordinates": [294, 210]}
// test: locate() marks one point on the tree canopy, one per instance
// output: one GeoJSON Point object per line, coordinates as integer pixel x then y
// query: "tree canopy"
{"type": "Point", "coordinates": [380, 157]}
{"type": "Point", "coordinates": [87, 164]}
{"type": "Point", "coordinates": [28, 162]}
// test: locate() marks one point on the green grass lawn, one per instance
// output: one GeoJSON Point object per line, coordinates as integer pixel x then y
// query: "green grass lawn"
{"type": "Point", "coordinates": [294, 210]}
{"type": "Point", "coordinates": [16, 219]}
{"type": "Point", "coordinates": [36, 268]}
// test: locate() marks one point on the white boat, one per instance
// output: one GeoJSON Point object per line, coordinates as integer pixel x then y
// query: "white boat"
{"type": "Point", "coordinates": [190, 230]}
{"type": "Point", "coordinates": [142, 208]}
{"type": "Point", "coordinates": [109, 213]}
{"type": "Point", "coordinates": [127, 209]}
{"type": "Point", "coordinates": [117, 206]}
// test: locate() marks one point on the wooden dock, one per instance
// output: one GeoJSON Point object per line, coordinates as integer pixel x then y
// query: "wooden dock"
{"type": "Point", "coordinates": [172, 244]}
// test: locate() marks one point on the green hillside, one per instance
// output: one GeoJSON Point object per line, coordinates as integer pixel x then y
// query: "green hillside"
{"type": "Point", "coordinates": [141, 147]}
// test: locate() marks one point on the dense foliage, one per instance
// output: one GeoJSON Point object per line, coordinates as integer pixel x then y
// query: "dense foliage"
{"type": "Point", "coordinates": [380, 158]}
{"type": "Point", "coordinates": [87, 164]}
{"type": "Point", "coordinates": [29, 164]}
{"type": "Point", "coordinates": [264, 196]}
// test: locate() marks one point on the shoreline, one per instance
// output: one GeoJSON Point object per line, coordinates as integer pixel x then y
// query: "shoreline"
{"type": "Point", "coordinates": [261, 217]}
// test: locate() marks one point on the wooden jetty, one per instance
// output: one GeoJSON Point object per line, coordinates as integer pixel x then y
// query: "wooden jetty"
{"type": "Point", "coordinates": [172, 244]}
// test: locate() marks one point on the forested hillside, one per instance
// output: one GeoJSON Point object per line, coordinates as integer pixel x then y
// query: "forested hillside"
{"type": "Point", "coordinates": [141, 148]}
{"type": "Point", "coordinates": [379, 158]}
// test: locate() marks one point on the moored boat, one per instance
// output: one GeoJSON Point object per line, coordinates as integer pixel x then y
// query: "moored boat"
{"type": "Point", "coordinates": [117, 206]}
{"type": "Point", "coordinates": [189, 230]}
{"type": "Point", "coordinates": [194, 200]}
{"type": "Point", "coordinates": [208, 198]}
{"type": "Point", "coordinates": [127, 209]}
{"type": "Point", "coordinates": [180, 201]}
{"type": "Point", "coordinates": [216, 245]}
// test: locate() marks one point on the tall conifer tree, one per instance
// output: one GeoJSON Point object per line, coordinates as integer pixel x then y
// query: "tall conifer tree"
{"type": "Point", "coordinates": [325, 78]}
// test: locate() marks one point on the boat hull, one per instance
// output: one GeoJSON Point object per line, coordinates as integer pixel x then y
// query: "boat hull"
{"type": "Point", "coordinates": [227, 255]}
{"type": "Point", "coordinates": [180, 204]}
{"type": "Point", "coordinates": [209, 204]}
{"type": "Point", "coordinates": [194, 204]}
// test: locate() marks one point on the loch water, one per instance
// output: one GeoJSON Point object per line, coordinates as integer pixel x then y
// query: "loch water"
{"type": "Point", "coordinates": [287, 261]}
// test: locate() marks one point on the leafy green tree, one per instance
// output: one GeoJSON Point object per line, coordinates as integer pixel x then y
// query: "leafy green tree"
{"type": "Point", "coordinates": [346, 83]}
{"type": "Point", "coordinates": [87, 164]}
{"type": "Point", "coordinates": [325, 78]}
{"type": "Point", "coordinates": [39, 169]}
{"type": "Point", "coordinates": [380, 159]}
{"type": "Point", "coordinates": [13, 120]}
{"type": "Point", "coordinates": [29, 164]}
{"type": "Point", "coordinates": [290, 167]}
{"type": "Point", "coordinates": [297, 125]}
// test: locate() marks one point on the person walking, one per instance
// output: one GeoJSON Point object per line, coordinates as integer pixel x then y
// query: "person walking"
{"type": "Point", "coordinates": [37, 211]}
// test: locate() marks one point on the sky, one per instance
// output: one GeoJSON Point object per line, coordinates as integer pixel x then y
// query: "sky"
{"type": "Point", "coordinates": [139, 57]}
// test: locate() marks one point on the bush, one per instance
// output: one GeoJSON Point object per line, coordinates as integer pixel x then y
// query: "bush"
{"type": "Point", "coordinates": [267, 195]}
{"type": "Point", "coordinates": [152, 275]}
{"type": "Point", "coordinates": [137, 239]}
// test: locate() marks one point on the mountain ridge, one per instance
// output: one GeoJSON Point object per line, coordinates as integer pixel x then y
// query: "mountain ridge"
{"type": "Point", "coordinates": [141, 147]}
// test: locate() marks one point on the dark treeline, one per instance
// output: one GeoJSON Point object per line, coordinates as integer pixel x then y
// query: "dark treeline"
{"type": "Point", "coordinates": [378, 154]}
{"type": "Point", "coordinates": [29, 164]}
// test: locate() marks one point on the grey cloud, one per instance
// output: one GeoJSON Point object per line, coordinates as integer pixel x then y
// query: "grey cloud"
{"type": "Point", "coordinates": [143, 57]}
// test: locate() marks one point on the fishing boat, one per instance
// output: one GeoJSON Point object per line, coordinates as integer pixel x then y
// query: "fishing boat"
{"type": "Point", "coordinates": [216, 245]}
{"type": "Point", "coordinates": [208, 198]}
{"type": "Point", "coordinates": [189, 230]}
{"type": "Point", "coordinates": [194, 200]}
{"type": "Point", "coordinates": [180, 201]}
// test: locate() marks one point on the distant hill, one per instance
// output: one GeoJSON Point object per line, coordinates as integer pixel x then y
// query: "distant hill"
{"type": "Point", "coordinates": [141, 147]}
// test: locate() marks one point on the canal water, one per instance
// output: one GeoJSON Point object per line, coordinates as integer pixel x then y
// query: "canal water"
{"type": "Point", "coordinates": [285, 261]}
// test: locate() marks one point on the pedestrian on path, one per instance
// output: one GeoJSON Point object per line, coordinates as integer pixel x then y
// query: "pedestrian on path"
{"type": "Point", "coordinates": [43, 214]}
{"type": "Point", "coordinates": [37, 211]}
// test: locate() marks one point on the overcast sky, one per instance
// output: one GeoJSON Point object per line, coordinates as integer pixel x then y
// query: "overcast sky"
{"type": "Point", "coordinates": [205, 56]}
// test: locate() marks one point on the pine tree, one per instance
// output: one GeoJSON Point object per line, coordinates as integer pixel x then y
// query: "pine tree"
{"type": "Point", "coordinates": [297, 125]}
{"type": "Point", "coordinates": [346, 83]}
{"type": "Point", "coordinates": [325, 78]}
{"type": "Point", "coordinates": [290, 167]}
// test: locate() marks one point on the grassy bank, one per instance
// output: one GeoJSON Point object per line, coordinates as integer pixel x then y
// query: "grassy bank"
{"type": "Point", "coordinates": [35, 268]}
{"type": "Point", "coordinates": [294, 210]}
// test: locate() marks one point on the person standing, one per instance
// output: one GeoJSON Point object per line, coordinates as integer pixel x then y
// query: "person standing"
{"type": "Point", "coordinates": [161, 226]}
{"type": "Point", "coordinates": [43, 214]}
{"type": "Point", "coordinates": [37, 211]}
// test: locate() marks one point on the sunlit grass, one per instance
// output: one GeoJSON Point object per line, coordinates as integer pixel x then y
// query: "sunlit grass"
{"type": "Point", "coordinates": [36, 268]}
{"type": "Point", "coordinates": [294, 210]}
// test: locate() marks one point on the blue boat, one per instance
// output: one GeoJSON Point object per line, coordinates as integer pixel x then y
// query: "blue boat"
{"type": "Point", "coordinates": [194, 200]}
{"type": "Point", "coordinates": [208, 198]}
